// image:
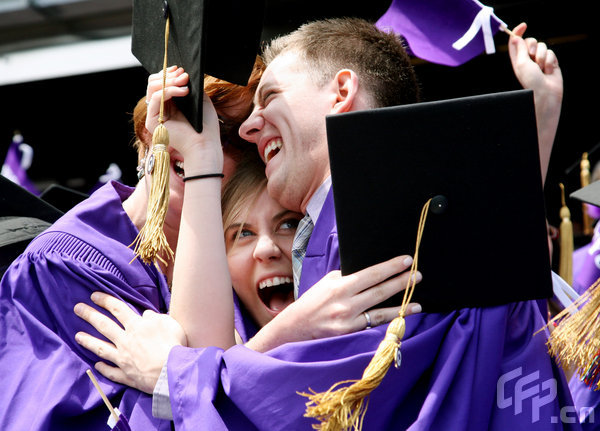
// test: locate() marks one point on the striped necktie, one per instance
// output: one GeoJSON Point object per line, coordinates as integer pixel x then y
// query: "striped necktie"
{"type": "Point", "coordinates": [305, 228]}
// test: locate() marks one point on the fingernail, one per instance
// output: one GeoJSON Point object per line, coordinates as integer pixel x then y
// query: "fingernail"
{"type": "Point", "coordinates": [78, 308]}
{"type": "Point", "coordinates": [408, 261]}
{"type": "Point", "coordinates": [78, 338]}
{"type": "Point", "coordinates": [95, 296]}
{"type": "Point", "coordinates": [416, 308]}
{"type": "Point", "coordinates": [418, 277]}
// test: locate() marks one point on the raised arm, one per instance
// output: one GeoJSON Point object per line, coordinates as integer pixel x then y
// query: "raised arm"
{"type": "Point", "coordinates": [536, 67]}
{"type": "Point", "coordinates": [201, 292]}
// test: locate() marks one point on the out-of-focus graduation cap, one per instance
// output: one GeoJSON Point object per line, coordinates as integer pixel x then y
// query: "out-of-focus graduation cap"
{"type": "Point", "coordinates": [62, 197]}
{"type": "Point", "coordinates": [23, 216]}
{"type": "Point", "coordinates": [589, 194]}
{"type": "Point", "coordinates": [485, 240]}
{"type": "Point", "coordinates": [220, 38]}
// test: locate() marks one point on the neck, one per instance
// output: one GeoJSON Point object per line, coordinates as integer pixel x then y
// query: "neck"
{"type": "Point", "coordinates": [135, 207]}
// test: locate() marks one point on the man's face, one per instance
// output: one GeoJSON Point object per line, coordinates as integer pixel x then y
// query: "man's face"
{"type": "Point", "coordinates": [288, 127]}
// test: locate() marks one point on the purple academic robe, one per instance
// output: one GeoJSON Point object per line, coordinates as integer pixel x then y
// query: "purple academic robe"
{"type": "Point", "coordinates": [586, 263]}
{"type": "Point", "coordinates": [472, 369]}
{"type": "Point", "coordinates": [586, 270]}
{"type": "Point", "coordinates": [43, 384]}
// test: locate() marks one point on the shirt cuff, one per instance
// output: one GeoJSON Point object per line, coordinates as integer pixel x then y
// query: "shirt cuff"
{"type": "Point", "coordinates": [161, 402]}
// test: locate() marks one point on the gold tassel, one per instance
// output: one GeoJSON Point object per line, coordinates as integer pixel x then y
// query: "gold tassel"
{"type": "Point", "coordinates": [585, 181]}
{"type": "Point", "coordinates": [575, 342]}
{"type": "Point", "coordinates": [343, 408]}
{"type": "Point", "coordinates": [565, 268]}
{"type": "Point", "coordinates": [151, 242]}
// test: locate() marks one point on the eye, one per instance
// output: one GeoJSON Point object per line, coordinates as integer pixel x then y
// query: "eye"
{"type": "Point", "coordinates": [291, 224]}
{"type": "Point", "coordinates": [267, 96]}
{"type": "Point", "coordinates": [245, 233]}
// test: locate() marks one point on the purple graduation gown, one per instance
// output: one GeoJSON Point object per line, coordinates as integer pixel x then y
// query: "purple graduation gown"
{"type": "Point", "coordinates": [586, 270]}
{"type": "Point", "coordinates": [472, 369]}
{"type": "Point", "coordinates": [43, 384]}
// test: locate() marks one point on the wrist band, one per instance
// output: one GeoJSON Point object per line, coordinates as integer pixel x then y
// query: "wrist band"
{"type": "Point", "coordinates": [198, 177]}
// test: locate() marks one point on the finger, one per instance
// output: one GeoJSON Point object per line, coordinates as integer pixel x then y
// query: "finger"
{"type": "Point", "coordinates": [520, 29]}
{"type": "Point", "coordinates": [376, 317]}
{"type": "Point", "coordinates": [551, 63]}
{"type": "Point", "coordinates": [531, 46]}
{"type": "Point", "coordinates": [155, 101]}
{"type": "Point", "coordinates": [171, 70]}
{"type": "Point", "coordinates": [380, 316]}
{"type": "Point", "coordinates": [376, 274]}
{"type": "Point", "coordinates": [541, 53]}
{"type": "Point", "coordinates": [116, 307]}
{"type": "Point", "coordinates": [171, 81]}
{"type": "Point", "coordinates": [377, 294]}
{"type": "Point", "coordinates": [101, 348]}
{"type": "Point", "coordinates": [413, 308]}
{"type": "Point", "coordinates": [102, 323]}
{"type": "Point", "coordinates": [113, 373]}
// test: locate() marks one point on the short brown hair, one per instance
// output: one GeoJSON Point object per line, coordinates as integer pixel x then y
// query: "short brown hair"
{"type": "Point", "coordinates": [330, 45]}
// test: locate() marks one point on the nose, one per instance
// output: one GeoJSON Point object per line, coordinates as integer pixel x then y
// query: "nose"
{"type": "Point", "coordinates": [250, 128]}
{"type": "Point", "coordinates": [266, 249]}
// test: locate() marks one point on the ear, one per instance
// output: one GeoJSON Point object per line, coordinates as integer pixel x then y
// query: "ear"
{"type": "Point", "coordinates": [346, 87]}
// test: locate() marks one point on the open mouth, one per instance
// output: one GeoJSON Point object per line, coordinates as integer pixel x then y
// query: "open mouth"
{"type": "Point", "coordinates": [178, 168]}
{"type": "Point", "coordinates": [272, 149]}
{"type": "Point", "coordinates": [276, 293]}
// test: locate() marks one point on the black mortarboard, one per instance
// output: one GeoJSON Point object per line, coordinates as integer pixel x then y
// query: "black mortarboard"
{"type": "Point", "coordinates": [15, 201]}
{"type": "Point", "coordinates": [485, 244]}
{"type": "Point", "coordinates": [23, 216]}
{"type": "Point", "coordinates": [218, 37]}
{"type": "Point", "coordinates": [62, 197]}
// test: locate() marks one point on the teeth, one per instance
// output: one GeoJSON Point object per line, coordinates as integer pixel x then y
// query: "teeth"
{"type": "Point", "coordinates": [179, 164]}
{"type": "Point", "coordinates": [274, 145]}
{"type": "Point", "coordinates": [275, 281]}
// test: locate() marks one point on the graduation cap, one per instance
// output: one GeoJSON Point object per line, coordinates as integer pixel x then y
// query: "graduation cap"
{"type": "Point", "coordinates": [575, 342]}
{"type": "Point", "coordinates": [217, 37]}
{"type": "Point", "coordinates": [478, 157]}
{"type": "Point", "coordinates": [62, 197]}
{"type": "Point", "coordinates": [589, 194]}
{"type": "Point", "coordinates": [456, 184]}
{"type": "Point", "coordinates": [23, 216]}
{"type": "Point", "coordinates": [220, 38]}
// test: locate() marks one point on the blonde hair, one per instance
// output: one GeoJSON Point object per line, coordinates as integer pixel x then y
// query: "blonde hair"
{"type": "Point", "coordinates": [242, 190]}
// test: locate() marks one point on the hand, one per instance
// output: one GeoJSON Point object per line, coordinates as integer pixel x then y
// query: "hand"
{"type": "Point", "coordinates": [139, 351]}
{"type": "Point", "coordinates": [536, 68]}
{"type": "Point", "coordinates": [335, 305]}
{"type": "Point", "coordinates": [203, 150]}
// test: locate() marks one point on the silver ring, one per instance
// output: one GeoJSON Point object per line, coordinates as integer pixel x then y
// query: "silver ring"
{"type": "Point", "coordinates": [368, 320]}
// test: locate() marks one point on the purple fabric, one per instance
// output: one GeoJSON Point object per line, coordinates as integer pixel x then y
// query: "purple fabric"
{"type": "Point", "coordinates": [472, 369]}
{"type": "Point", "coordinates": [587, 404]}
{"type": "Point", "coordinates": [586, 270]}
{"type": "Point", "coordinates": [122, 424]}
{"type": "Point", "coordinates": [43, 384]}
{"type": "Point", "coordinates": [13, 168]}
{"type": "Point", "coordinates": [430, 27]}
{"type": "Point", "coordinates": [586, 263]}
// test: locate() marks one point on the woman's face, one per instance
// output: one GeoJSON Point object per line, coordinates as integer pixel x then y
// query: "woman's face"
{"type": "Point", "coordinates": [260, 260]}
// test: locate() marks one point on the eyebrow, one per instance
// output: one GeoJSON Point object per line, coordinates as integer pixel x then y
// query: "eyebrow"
{"type": "Point", "coordinates": [283, 214]}
{"type": "Point", "coordinates": [236, 226]}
